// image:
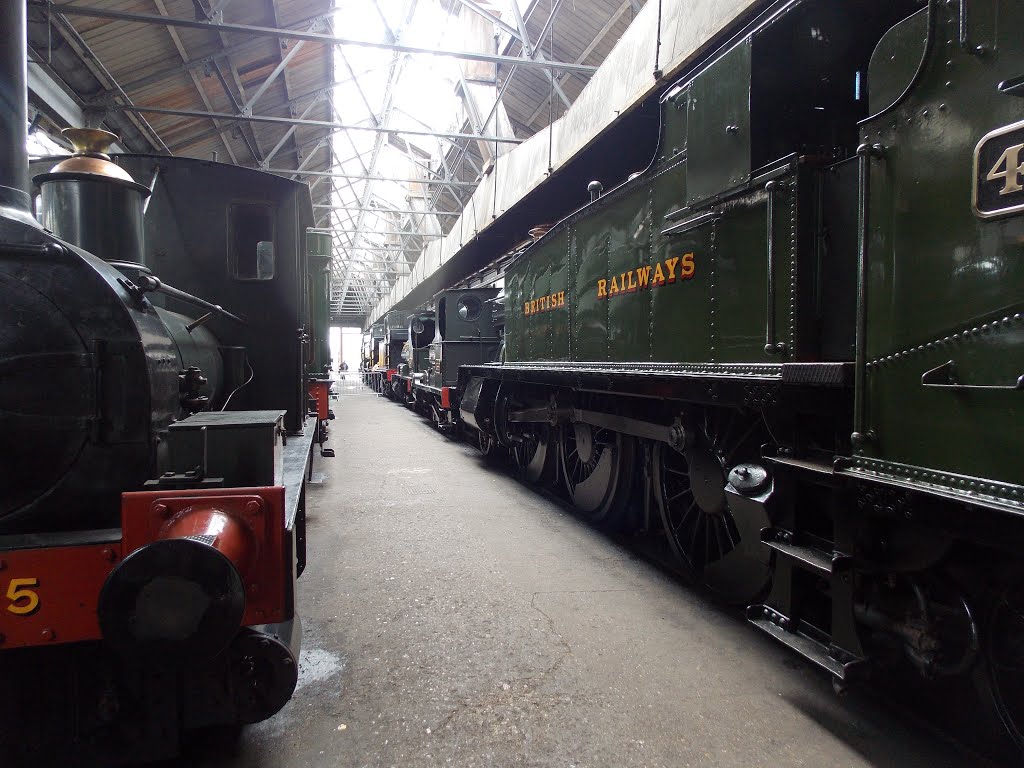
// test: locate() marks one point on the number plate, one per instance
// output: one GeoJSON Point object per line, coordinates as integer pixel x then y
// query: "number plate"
{"type": "Point", "coordinates": [48, 595]}
{"type": "Point", "coordinates": [999, 172]}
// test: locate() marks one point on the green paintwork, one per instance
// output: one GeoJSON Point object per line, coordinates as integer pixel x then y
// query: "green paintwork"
{"type": "Point", "coordinates": [716, 316]}
{"type": "Point", "coordinates": [318, 292]}
{"type": "Point", "coordinates": [719, 130]}
{"type": "Point", "coordinates": [942, 280]}
{"type": "Point", "coordinates": [943, 284]}
{"type": "Point", "coordinates": [895, 60]}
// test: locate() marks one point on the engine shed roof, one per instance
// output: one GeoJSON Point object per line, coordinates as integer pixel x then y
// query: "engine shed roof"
{"type": "Point", "coordinates": [320, 90]}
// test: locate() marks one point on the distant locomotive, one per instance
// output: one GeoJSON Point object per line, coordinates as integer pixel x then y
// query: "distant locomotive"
{"type": "Point", "coordinates": [796, 339]}
{"type": "Point", "coordinates": [464, 330]}
{"type": "Point", "coordinates": [370, 355]}
{"type": "Point", "coordinates": [318, 350]}
{"type": "Point", "coordinates": [152, 513]}
{"type": "Point", "coordinates": [415, 353]}
{"type": "Point", "coordinates": [392, 341]}
{"type": "Point", "coordinates": [467, 334]}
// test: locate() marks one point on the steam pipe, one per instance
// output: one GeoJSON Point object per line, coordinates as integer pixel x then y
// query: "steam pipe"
{"type": "Point", "coordinates": [14, 186]}
{"type": "Point", "coordinates": [188, 298]}
{"type": "Point", "coordinates": [149, 282]}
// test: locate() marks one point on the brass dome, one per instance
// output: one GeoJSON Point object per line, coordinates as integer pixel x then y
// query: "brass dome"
{"type": "Point", "coordinates": [91, 145]}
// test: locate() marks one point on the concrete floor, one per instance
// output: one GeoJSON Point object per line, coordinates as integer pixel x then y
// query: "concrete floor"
{"type": "Point", "coordinates": [453, 616]}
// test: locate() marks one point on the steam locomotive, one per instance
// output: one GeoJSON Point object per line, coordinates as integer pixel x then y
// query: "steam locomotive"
{"type": "Point", "coordinates": [155, 357]}
{"type": "Point", "coordinates": [795, 342]}
{"type": "Point", "coordinates": [463, 330]}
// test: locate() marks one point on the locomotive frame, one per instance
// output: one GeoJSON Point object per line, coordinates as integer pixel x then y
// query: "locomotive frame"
{"type": "Point", "coordinates": [794, 345]}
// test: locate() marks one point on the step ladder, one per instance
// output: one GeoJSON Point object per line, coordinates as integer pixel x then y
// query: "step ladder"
{"type": "Point", "coordinates": [837, 651]}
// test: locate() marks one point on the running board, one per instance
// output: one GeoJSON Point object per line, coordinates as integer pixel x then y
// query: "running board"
{"type": "Point", "coordinates": [772, 622]}
{"type": "Point", "coordinates": [810, 558]}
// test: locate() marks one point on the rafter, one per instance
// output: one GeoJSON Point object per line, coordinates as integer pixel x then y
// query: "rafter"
{"type": "Point", "coordinates": [291, 34]}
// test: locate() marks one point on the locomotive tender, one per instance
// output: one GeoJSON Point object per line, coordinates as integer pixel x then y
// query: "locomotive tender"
{"type": "Point", "coordinates": [152, 470]}
{"type": "Point", "coordinates": [796, 340]}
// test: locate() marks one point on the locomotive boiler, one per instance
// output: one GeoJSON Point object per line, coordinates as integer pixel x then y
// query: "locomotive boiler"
{"type": "Point", "coordinates": [794, 343]}
{"type": "Point", "coordinates": [152, 349]}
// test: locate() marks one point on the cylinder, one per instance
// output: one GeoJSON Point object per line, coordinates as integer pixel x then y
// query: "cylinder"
{"type": "Point", "coordinates": [14, 188]}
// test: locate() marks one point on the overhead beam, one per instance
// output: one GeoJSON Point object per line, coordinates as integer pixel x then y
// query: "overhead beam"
{"type": "Point", "coordinates": [531, 52]}
{"type": "Point", "coordinates": [69, 9]}
{"type": "Point", "coordinates": [598, 38]}
{"type": "Point", "coordinates": [462, 153]}
{"type": "Point", "coordinates": [371, 209]}
{"type": "Point", "coordinates": [92, 62]}
{"type": "Point", "coordinates": [282, 65]}
{"type": "Point", "coordinates": [378, 249]}
{"type": "Point", "coordinates": [382, 232]}
{"type": "Point", "coordinates": [363, 177]}
{"type": "Point", "coordinates": [287, 134]}
{"type": "Point", "coordinates": [222, 131]}
{"type": "Point", "coordinates": [297, 121]}
{"type": "Point", "coordinates": [476, 8]}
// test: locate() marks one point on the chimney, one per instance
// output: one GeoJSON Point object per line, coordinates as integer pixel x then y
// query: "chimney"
{"type": "Point", "coordinates": [14, 188]}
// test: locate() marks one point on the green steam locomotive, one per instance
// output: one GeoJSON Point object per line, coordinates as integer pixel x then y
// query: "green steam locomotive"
{"type": "Point", "coordinates": [795, 342]}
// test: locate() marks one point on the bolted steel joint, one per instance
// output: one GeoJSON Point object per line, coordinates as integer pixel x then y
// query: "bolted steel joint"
{"type": "Point", "coordinates": [860, 439]}
{"type": "Point", "coordinates": [677, 436]}
{"type": "Point", "coordinates": [870, 150]}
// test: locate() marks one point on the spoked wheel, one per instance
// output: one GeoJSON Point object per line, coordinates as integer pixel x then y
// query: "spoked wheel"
{"type": "Point", "coordinates": [597, 466]}
{"type": "Point", "coordinates": [485, 444]}
{"type": "Point", "coordinates": [715, 546]}
{"type": "Point", "coordinates": [533, 453]}
{"type": "Point", "coordinates": [1004, 656]}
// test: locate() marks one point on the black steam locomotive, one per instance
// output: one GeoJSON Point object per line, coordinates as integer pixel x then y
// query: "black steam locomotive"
{"type": "Point", "coordinates": [154, 332]}
{"type": "Point", "coordinates": [463, 330]}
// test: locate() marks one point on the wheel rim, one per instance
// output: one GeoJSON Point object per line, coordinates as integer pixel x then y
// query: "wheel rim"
{"type": "Point", "coordinates": [594, 461]}
{"type": "Point", "coordinates": [484, 443]}
{"type": "Point", "coordinates": [714, 544]}
{"type": "Point", "coordinates": [531, 453]}
{"type": "Point", "coordinates": [1004, 654]}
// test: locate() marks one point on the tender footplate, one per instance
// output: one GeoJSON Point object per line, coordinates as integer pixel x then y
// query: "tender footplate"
{"type": "Point", "coordinates": [808, 557]}
{"type": "Point", "coordinates": [841, 665]}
